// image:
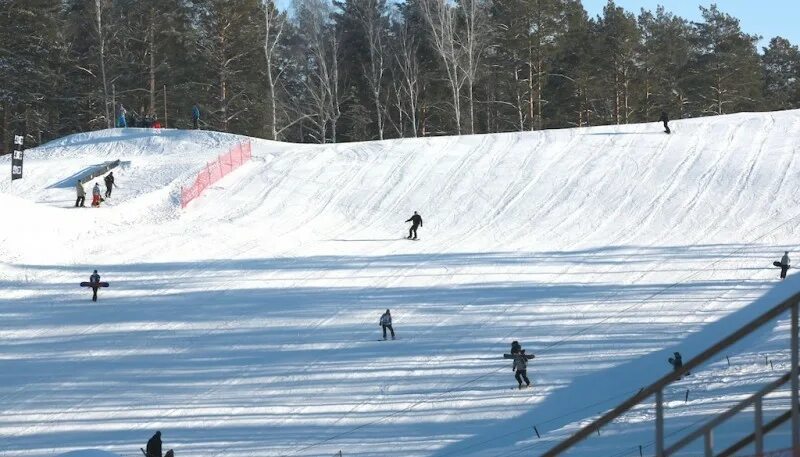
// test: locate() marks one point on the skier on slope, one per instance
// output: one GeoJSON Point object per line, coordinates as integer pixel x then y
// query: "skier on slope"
{"type": "Point", "coordinates": [96, 194]}
{"type": "Point", "coordinates": [154, 446]}
{"type": "Point", "coordinates": [386, 322]}
{"type": "Point", "coordinates": [81, 194]}
{"type": "Point", "coordinates": [416, 221]}
{"type": "Point", "coordinates": [94, 280]}
{"type": "Point", "coordinates": [109, 180]}
{"type": "Point", "coordinates": [784, 264]}
{"type": "Point", "coordinates": [520, 365]}
{"type": "Point", "coordinates": [665, 119]}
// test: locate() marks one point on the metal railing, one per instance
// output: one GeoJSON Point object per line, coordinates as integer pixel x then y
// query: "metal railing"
{"type": "Point", "coordinates": [657, 389]}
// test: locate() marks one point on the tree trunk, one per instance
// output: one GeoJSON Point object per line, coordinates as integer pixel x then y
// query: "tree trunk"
{"type": "Point", "coordinates": [152, 37]}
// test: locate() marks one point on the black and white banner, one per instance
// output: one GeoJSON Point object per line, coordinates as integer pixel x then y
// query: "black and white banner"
{"type": "Point", "coordinates": [16, 159]}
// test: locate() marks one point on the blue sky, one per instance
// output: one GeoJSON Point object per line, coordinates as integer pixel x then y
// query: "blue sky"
{"type": "Point", "coordinates": [767, 18]}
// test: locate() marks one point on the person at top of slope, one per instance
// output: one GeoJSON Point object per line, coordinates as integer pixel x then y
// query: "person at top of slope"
{"type": "Point", "coordinates": [665, 119]}
{"type": "Point", "coordinates": [195, 116]}
{"type": "Point", "coordinates": [96, 194]}
{"type": "Point", "coordinates": [81, 194]}
{"type": "Point", "coordinates": [386, 322]}
{"type": "Point", "coordinates": [416, 221]}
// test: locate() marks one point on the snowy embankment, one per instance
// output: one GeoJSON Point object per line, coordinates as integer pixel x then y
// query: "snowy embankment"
{"type": "Point", "coordinates": [246, 324]}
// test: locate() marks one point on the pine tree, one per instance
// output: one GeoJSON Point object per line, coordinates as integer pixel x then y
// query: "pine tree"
{"type": "Point", "coordinates": [781, 63]}
{"type": "Point", "coordinates": [725, 65]}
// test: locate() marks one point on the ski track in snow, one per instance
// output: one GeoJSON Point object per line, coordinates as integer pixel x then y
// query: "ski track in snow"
{"type": "Point", "coordinates": [246, 324]}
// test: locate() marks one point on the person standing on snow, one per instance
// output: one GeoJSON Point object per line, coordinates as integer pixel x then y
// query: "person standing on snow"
{"type": "Point", "coordinates": [784, 264]}
{"type": "Point", "coordinates": [94, 280]}
{"type": "Point", "coordinates": [96, 194]}
{"type": "Point", "coordinates": [109, 180]}
{"type": "Point", "coordinates": [195, 116]}
{"type": "Point", "coordinates": [521, 367]}
{"type": "Point", "coordinates": [386, 322]}
{"type": "Point", "coordinates": [416, 221]}
{"type": "Point", "coordinates": [677, 362]}
{"type": "Point", "coordinates": [154, 446]}
{"type": "Point", "coordinates": [665, 119]}
{"type": "Point", "coordinates": [81, 194]}
{"type": "Point", "coordinates": [122, 122]}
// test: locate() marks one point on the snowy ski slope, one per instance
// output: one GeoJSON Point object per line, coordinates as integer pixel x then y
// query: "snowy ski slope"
{"type": "Point", "coordinates": [247, 323]}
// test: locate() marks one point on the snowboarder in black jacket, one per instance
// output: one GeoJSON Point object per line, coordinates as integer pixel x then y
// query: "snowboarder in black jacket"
{"type": "Point", "coordinates": [416, 221]}
{"type": "Point", "coordinates": [94, 280]}
{"type": "Point", "coordinates": [677, 362]}
{"type": "Point", "coordinates": [154, 446]}
{"type": "Point", "coordinates": [109, 180]}
{"type": "Point", "coordinates": [665, 119]}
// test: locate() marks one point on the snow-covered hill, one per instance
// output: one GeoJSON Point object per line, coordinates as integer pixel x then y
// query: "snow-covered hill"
{"type": "Point", "coordinates": [247, 323]}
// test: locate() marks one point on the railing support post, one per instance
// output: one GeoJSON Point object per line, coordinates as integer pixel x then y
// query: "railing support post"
{"type": "Point", "coordinates": [660, 423]}
{"type": "Point", "coordinates": [795, 382]}
{"type": "Point", "coordinates": [759, 431]}
{"type": "Point", "coordinates": [709, 443]}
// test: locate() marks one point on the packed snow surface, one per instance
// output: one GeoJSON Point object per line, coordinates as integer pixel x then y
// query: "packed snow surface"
{"type": "Point", "coordinates": [246, 324]}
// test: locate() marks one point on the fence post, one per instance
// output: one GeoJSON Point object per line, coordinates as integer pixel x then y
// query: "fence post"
{"type": "Point", "coordinates": [795, 382]}
{"type": "Point", "coordinates": [759, 431]}
{"type": "Point", "coordinates": [660, 423]}
{"type": "Point", "coordinates": [709, 443]}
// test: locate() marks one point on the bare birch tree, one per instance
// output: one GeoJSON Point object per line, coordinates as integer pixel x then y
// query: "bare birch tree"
{"type": "Point", "coordinates": [372, 14]}
{"type": "Point", "coordinates": [406, 55]}
{"type": "Point", "coordinates": [441, 18]}
{"type": "Point", "coordinates": [274, 22]}
{"type": "Point", "coordinates": [99, 6]}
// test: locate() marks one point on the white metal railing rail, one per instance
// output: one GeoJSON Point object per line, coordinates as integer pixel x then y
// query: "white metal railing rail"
{"type": "Point", "coordinates": [657, 389]}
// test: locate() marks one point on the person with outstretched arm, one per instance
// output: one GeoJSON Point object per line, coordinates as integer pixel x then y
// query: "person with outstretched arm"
{"type": "Point", "coordinates": [416, 221]}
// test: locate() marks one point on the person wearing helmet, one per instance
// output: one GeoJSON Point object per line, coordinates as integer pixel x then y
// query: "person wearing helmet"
{"type": "Point", "coordinates": [416, 221]}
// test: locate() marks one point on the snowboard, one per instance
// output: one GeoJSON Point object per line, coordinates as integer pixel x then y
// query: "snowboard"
{"type": "Point", "coordinates": [388, 339]}
{"type": "Point", "coordinates": [778, 264]}
{"type": "Point", "coordinates": [411, 239]}
{"type": "Point", "coordinates": [92, 284]}
{"type": "Point", "coordinates": [513, 356]}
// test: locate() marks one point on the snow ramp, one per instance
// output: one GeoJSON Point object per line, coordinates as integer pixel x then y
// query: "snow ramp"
{"type": "Point", "coordinates": [246, 324]}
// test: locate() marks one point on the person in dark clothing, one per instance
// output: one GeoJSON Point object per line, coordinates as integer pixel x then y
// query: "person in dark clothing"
{"type": "Point", "coordinates": [515, 347]}
{"type": "Point", "coordinates": [170, 453]}
{"type": "Point", "coordinates": [109, 180]}
{"type": "Point", "coordinates": [195, 116]}
{"type": "Point", "coordinates": [784, 264]}
{"type": "Point", "coordinates": [154, 446]}
{"type": "Point", "coordinates": [665, 119]}
{"type": "Point", "coordinates": [521, 367]}
{"type": "Point", "coordinates": [677, 362]}
{"type": "Point", "coordinates": [416, 221]}
{"type": "Point", "coordinates": [386, 322]}
{"type": "Point", "coordinates": [94, 279]}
